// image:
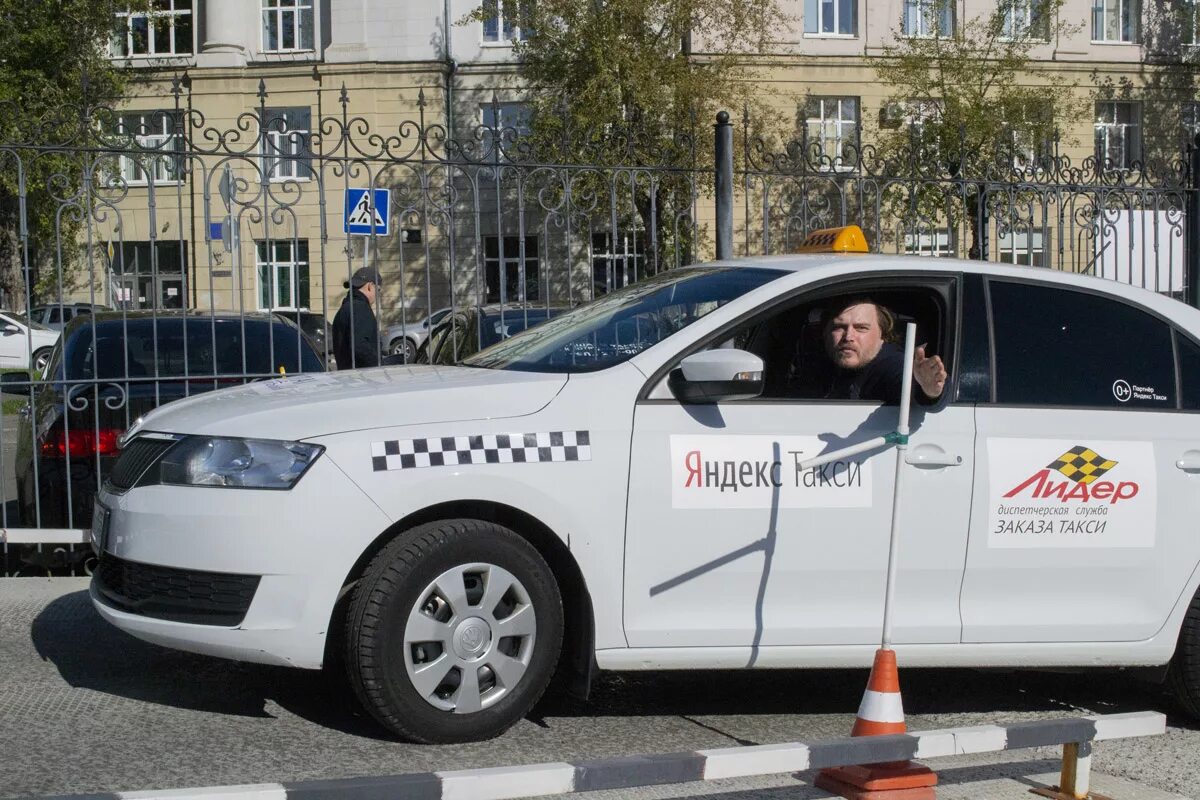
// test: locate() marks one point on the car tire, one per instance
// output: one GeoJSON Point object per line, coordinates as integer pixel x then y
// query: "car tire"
{"type": "Point", "coordinates": [405, 348]}
{"type": "Point", "coordinates": [425, 644]}
{"type": "Point", "coordinates": [1184, 672]}
{"type": "Point", "coordinates": [41, 357]}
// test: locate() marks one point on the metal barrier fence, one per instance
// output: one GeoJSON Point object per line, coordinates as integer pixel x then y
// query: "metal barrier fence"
{"type": "Point", "coordinates": [178, 252]}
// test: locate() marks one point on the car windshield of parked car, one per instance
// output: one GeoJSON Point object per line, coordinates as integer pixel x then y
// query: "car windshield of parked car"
{"type": "Point", "coordinates": [146, 347]}
{"type": "Point", "coordinates": [620, 325]}
{"type": "Point", "coordinates": [21, 319]}
{"type": "Point", "coordinates": [497, 327]}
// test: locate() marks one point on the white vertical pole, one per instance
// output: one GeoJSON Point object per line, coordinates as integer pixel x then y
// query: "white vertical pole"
{"type": "Point", "coordinates": [910, 335]}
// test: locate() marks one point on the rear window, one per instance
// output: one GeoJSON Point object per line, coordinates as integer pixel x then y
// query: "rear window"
{"type": "Point", "coordinates": [163, 348]}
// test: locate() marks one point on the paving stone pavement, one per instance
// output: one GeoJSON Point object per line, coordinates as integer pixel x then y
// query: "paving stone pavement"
{"type": "Point", "coordinates": [86, 708]}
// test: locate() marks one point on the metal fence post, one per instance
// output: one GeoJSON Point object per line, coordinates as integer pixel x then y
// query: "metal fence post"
{"type": "Point", "coordinates": [724, 185]}
{"type": "Point", "coordinates": [1193, 225]}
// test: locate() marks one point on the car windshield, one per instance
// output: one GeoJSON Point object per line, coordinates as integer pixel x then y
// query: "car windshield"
{"type": "Point", "coordinates": [620, 325]}
{"type": "Point", "coordinates": [144, 347]}
{"type": "Point", "coordinates": [21, 319]}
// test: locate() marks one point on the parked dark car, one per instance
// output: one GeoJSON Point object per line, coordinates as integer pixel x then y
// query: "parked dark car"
{"type": "Point", "coordinates": [110, 368]}
{"type": "Point", "coordinates": [316, 328]}
{"type": "Point", "coordinates": [469, 329]}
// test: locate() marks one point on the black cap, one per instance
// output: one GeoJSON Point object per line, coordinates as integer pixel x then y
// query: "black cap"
{"type": "Point", "coordinates": [362, 276]}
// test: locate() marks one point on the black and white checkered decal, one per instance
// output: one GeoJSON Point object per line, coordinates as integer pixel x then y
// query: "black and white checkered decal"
{"type": "Point", "coordinates": [488, 448]}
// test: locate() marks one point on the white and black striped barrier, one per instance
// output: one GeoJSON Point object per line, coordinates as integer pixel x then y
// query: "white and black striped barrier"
{"type": "Point", "coordinates": [501, 783]}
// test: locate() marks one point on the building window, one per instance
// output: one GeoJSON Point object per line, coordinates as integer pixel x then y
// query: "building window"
{"type": "Point", "coordinates": [151, 142]}
{"type": "Point", "coordinates": [148, 274]}
{"type": "Point", "coordinates": [503, 122]}
{"type": "Point", "coordinates": [286, 144]}
{"type": "Point", "coordinates": [1030, 144]}
{"type": "Point", "coordinates": [520, 274]}
{"type": "Point", "coordinates": [1118, 134]}
{"type": "Point", "coordinates": [165, 30]}
{"type": "Point", "coordinates": [283, 274]}
{"type": "Point", "coordinates": [928, 18]}
{"type": "Point", "coordinates": [1115, 20]}
{"type": "Point", "coordinates": [936, 243]}
{"type": "Point", "coordinates": [831, 123]}
{"type": "Point", "coordinates": [619, 263]}
{"type": "Point", "coordinates": [1022, 247]}
{"type": "Point", "coordinates": [287, 25]}
{"type": "Point", "coordinates": [1025, 19]}
{"type": "Point", "coordinates": [831, 17]}
{"type": "Point", "coordinates": [503, 20]}
{"type": "Point", "coordinates": [1189, 21]}
{"type": "Point", "coordinates": [1191, 122]}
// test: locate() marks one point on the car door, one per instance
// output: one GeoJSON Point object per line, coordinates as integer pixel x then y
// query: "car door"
{"type": "Point", "coordinates": [730, 544]}
{"type": "Point", "coordinates": [1086, 496]}
{"type": "Point", "coordinates": [13, 347]}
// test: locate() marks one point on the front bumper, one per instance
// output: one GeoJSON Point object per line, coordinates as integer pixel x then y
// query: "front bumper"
{"type": "Point", "coordinates": [298, 546]}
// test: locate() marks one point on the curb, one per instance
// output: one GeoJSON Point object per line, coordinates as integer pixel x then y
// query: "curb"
{"type": "Point", "coordinates": [626, 772]}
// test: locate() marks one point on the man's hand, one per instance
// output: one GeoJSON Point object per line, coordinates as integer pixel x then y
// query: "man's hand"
{"type": "Point", "coordinates": [930, 373]}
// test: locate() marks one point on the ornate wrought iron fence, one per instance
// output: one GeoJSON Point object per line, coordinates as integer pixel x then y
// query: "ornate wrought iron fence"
{"type": "Point", "coordinates": [165, 214]}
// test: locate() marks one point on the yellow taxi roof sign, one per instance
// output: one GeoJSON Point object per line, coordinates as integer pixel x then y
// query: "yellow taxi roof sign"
{"type": "Point", "coordinates": [847, 239]}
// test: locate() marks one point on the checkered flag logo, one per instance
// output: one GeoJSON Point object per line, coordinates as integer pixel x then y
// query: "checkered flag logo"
{"type": "Point", "coordinates": [1082, 464]}
{"type": "Point", "coordinates": [489, 448]}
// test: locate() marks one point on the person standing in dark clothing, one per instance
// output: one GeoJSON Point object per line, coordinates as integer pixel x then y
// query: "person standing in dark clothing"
{"type": "Point", "coordinates": [355, 330]}
{"type": "Point", "coordinates": [867, 365]}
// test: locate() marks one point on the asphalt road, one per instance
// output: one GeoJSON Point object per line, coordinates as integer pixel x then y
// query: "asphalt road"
{"type": "Point", "coordinates": [84, 707]}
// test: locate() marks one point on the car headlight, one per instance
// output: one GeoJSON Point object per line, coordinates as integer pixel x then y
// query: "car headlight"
{"type": "Point", "coordinates": [241, 463]}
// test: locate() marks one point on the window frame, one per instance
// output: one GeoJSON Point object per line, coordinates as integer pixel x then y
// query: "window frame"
{"type": "Point", "coordinates": [496, 30]}
{"type": "Point", "coordinates": [989, 279]}
{"type": "Point", "coordinates": [840, 139]}
{"type": "Point", "coordinates": [1029, 250]}
{"type": "Point", "coordinates": [601, 256]}
{"type": "Point", "coordinates": [298, 269]}
{"type": "Point", "coordinates": [1099, 18]}
{"type": "Point", "coordinates": [278, 137]}
{"type": "Point", "coordinates": [301, 11]}
{"type": "Point", "coordinates": [927, 11]}
{"type": "Point", "coordinates": [170, 142]}
{"type": "Point", "coordinates": [1035, 23]}
{"type": "Point", "coordinates": [514, 259]}
{"type": "Point", "coordinates": [508, 115]}
{"type": "Point", "coordinates": [818, 18]}
{"type": "Point", "coordinates": [124, 22]}
{"type": "Point", "coordinates": [1101, 127]}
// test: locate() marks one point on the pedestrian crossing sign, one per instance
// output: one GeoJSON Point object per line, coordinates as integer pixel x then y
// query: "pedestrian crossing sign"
{"type": "Point", "coordinates": [367, 212]}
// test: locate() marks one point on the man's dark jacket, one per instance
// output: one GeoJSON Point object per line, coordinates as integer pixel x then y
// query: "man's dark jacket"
{"type": "Point", "coordinates": [355, 333]}
{"type": "Point", "coordinates": [879, 380]}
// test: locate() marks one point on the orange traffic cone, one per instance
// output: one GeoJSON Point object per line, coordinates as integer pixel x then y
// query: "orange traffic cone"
{"type": "Point", "coordinates": [880, 713]}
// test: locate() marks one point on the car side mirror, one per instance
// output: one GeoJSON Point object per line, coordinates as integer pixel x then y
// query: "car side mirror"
{"type": "Point", "coordinates": [8, 329]}
{"type": "Point", "coordinates": [14, 382]}
{"type": "Point", "coordinates": [713, 376]}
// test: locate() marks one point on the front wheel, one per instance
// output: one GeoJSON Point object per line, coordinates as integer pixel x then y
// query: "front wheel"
{"type": "Point", "coordinates": [453, 633]}
{"type": "Point", "coordinates": [1184, 672]}
{"type": "Point", "coordinates": [404, 348]}
{"type": "Point", "coordinates": [40, 359]}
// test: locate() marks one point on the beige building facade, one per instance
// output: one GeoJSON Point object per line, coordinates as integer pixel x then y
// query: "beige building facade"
{"type": "Point", "coordinates": [294, 108]}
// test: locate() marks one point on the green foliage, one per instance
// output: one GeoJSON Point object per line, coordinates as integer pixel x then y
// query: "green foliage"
{"type": "Point", "coordinates": [54, 71]}
{"type": "Point", "coordinates": [974, 109]}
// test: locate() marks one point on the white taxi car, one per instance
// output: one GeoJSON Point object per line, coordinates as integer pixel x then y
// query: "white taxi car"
{"type": "Point", "coordinates": [621, 488]}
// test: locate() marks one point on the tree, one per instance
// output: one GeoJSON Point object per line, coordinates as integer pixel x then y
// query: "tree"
{"type": "Point", "coordinates": [54, 75]}
{"type": "Point", "coordinates": [976, 114]}
{"type": "Point", "coordinates": [626, 83]}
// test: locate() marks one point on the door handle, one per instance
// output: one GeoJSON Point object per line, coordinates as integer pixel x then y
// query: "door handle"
{"type": "Point", "coordinates": [930, 456]}
{"type": "Point", "coordinates": [1189, 461]}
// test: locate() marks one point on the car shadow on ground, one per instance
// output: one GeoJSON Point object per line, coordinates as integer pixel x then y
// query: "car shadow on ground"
{"type": "Point", "coordinates": [91, 654]}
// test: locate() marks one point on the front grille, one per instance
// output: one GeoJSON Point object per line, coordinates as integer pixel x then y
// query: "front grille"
{"type": "Point", "coordinates": [178, 595]}
{"type": "Point", "coordinates": [135, 459]}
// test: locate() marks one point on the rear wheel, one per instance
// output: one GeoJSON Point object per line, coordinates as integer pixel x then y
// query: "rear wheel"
{"type": "Point", "coordinates": [1184, 673]}
{"type": "Point", "coordinates": [453, 633]}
